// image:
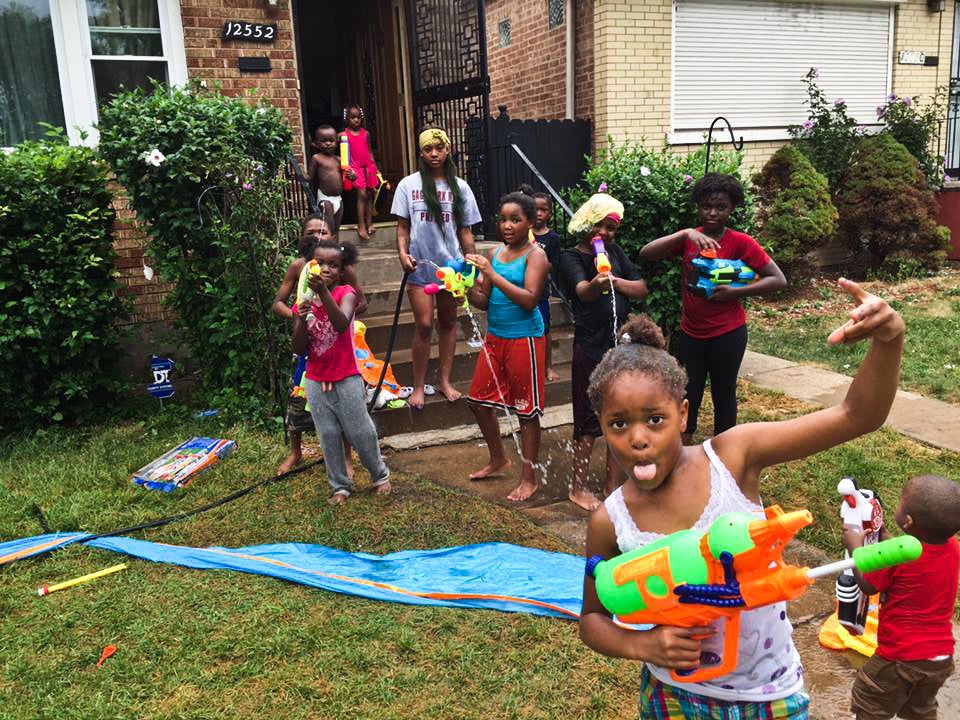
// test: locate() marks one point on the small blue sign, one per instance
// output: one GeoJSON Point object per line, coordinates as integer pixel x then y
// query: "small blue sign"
{"type": "Point", "coordinates": [161, 387]}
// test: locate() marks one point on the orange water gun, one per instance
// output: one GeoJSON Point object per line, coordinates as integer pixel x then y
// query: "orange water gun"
{"type": "Point", "coordinates": [689, 579]}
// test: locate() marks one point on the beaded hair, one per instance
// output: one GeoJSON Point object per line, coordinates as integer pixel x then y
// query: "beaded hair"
{"type": "Point", "coordinates": [348, 108]}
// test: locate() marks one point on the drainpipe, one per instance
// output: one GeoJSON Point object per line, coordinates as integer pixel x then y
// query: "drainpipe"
{"type": "Point", "coordinates": [571, 21]}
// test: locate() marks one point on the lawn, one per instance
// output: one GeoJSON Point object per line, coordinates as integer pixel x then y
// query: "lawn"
{"type": "Point", "coordinates": [196, 644]}
{"type": "Point", "coordinates": [795, 328]}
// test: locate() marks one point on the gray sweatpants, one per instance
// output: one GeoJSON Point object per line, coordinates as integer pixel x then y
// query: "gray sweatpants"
{"type": "Point", "coordinates": [344, 410]}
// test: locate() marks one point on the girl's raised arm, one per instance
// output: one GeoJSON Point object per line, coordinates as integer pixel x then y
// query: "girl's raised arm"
{"type": "Point", "coordinates": [749, 448]}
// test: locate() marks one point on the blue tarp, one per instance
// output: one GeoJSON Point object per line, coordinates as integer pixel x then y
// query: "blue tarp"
{"type": "Point", "coordinates": [497, 576]}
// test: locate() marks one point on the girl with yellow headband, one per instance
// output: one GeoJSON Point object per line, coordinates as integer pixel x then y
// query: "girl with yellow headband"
{"type": "Point", "coordinates": [435, 212]}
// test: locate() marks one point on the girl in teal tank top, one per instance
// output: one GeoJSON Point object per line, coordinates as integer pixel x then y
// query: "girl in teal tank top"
{"type": "Point", "coordinates": [510, 370]}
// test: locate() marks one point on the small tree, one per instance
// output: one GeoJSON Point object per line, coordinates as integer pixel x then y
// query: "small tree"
{"type": "Point", "coordinates": [917, 130]}
{"type": "Point", "coordinates": [887, 212]}
{"type": "Point", "coordinates": [201, 170]}
{"type": "Point", "coordinates": [794, 211]}
{"type": "Point", "coordinates": [654, 187]}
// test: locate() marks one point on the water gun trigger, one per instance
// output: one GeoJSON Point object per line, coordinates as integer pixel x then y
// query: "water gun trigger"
{"type": "Point", "coordinates": [711, 665]}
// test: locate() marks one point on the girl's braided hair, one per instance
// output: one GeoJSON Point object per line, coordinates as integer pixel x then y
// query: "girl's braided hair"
{"type": "Point", "coordinates": [642, 350]}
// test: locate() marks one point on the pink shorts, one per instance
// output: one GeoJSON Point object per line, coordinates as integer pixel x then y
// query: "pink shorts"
{"type": "Point", "coordinates": [366, 177]}
{"type": "Point", "coordinates": [518, 375]}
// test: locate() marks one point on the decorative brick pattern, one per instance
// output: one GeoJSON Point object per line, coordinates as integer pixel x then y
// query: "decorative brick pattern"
{"type": "Point", "coordinates": [529, 76]}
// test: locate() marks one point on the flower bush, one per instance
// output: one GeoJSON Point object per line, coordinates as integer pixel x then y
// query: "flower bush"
{"type": "Point", "coordinates": [887, 212]}
{"type": "Point", "coordinates": [918, 130]}
{"type": "Point", "coordinates": [794, 211]}
{"type": "Point", "coordinates": [58, 288]}
{"type": "Point", "coordinates": [829, 136]}
{"type": "Point", "coordinates": [654, 187]}
{"type": "Point", "coordinates": [202, 174]}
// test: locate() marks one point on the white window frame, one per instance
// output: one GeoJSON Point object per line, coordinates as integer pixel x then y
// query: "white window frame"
{"type": "Point", "coordinates": [696, 137]}
{"type": "Point", "coordinates": [71, 35]}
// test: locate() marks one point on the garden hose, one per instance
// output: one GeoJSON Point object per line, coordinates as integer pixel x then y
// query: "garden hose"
{"type": "Point", "coordinates": [393, 337]}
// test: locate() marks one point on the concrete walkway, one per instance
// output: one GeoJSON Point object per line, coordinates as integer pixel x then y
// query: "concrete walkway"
{"type": "Point", "coordinates": [447, 457]}
{"type": "Point", "coordinates": [930, 421]}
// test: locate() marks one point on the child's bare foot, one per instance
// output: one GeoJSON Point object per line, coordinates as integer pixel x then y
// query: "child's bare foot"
{"type": "Point", "coordinates": [371, 229]}
{"type": "Point", "coordinates": [581, 497]}
{"type": "Point", "coordinates": [449, 391]}
{"type": "Point", "coordinates": [337, 498]}
{"type": "Point", "coordinates": [552, 375]}
{"type": "Point", "coordinates": [416, 399]}
{"type": "Point", "coordinates": [524, 490]}
{"type": "Point", "coordinates": [289, 463]}
{"type": "Point", "coordinates": [383, 488]}
{"type": "Point", "coordinates": [362, 234]}
{"type": "Point", "coordinates": [492, 468]}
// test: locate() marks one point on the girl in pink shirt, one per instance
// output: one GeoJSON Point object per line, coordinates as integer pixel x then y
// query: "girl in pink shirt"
{"type": "Point", "coordinates": [335, 390]}
{"type": "Point", "coordinates": [362, 173]}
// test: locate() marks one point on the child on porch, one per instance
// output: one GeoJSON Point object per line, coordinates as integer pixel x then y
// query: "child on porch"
{"type": "Point", "coordinates": [336, 393]}
{"type": "Point", "coordinates": [326, 179]}
{"type": "Point", "coordinates": [509, 373]}
{"type": "Point", "coordinates": [549, 242]}
{"type": "Point", "coordinates": [362, 172]}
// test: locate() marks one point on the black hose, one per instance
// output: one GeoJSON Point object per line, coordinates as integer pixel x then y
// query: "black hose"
{"type": "Point", "coordinates": [393, 337]}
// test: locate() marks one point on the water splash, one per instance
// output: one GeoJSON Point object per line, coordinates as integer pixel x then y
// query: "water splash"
{"type": "Point", "coordinates": [613, 304]}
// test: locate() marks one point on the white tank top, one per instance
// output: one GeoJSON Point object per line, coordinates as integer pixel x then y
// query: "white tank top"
{"type": "Point", "coordinates": [768, 665]}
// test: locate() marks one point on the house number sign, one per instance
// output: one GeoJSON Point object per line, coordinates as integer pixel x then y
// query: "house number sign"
{"type": "Point", "coordinates": [253, 32]}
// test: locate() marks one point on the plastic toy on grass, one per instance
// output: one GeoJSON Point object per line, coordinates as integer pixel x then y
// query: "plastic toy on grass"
{"type": "Point", "coordinates": [370, 367]}
{"type": "Point", "coordinates": [47, 589]}
{"type": "Point", "coordinates": [178, 467]}
{"type": "Point", "coordinates": [689, 579]}
{"type": "Point", "coordinates": [711, 271]}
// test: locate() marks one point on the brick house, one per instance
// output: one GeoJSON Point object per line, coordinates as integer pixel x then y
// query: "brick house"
{"type": "Point", "coordinates": [407, 63]}
{"type": "Point", "coordinates": [660, 70]}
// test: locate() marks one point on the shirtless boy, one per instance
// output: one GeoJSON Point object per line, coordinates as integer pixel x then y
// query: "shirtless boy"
{"type": "Point", "coordinates": [325, 178]}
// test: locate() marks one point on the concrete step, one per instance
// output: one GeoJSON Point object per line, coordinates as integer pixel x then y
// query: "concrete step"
{"type": "Point", "coordinates": [385, 237]}
{"type": "Point", "coordinates": [465, 358]}
{"type": "Point", "coordinates": [437, 413]}
{"type": "Point", "coordinates": [378, 326]}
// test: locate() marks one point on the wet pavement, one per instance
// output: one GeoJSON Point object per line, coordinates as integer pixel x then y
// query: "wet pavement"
{"type": "Point", "coordinates": [829, 674]}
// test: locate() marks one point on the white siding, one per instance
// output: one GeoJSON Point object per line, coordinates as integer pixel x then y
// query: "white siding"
{"type": "Point", "coordinates": [746, 61]}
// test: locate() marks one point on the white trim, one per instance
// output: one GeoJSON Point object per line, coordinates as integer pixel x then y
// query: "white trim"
{"type": "Point", "coordinates": [71, 37]}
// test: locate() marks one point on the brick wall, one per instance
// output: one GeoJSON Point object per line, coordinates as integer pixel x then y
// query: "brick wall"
{"type": "Point", "coordinates": [917, 28]}
{"type": "Point", "coordinates": [213, 59]}
{"type": "Point", "coordinates": [529, 76]}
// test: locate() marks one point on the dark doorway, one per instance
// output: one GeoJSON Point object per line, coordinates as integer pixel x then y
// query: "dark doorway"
{"type": "Point", "coordinates": [356, 53]}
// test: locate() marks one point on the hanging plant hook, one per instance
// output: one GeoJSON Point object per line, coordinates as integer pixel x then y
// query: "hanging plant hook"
{"type": "Point", "coordinates": [737, 144]}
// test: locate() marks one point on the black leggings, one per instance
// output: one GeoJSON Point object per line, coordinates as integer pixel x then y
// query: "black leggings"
{"type": "Point", "coordinates": [720, 357]}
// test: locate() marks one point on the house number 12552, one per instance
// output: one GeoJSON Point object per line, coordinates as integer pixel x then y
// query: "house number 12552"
{"type": "Point", "coordinates": [253, 32]}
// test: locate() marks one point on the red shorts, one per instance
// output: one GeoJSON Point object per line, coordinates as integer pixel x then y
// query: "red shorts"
{"type": "Point", "coordinates": [366, 177]}
{"type": "Point", "coordinates": [520, 372]}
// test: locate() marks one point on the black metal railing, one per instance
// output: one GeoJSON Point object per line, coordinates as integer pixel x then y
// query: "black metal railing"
{"type": "Point", "coordinates": [298, 200]}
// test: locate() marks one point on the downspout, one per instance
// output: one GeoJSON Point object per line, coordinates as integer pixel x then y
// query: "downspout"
{"type": "Point", "coordinates": [571, 21]}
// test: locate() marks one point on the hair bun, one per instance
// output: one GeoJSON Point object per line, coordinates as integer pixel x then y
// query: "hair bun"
{"type": "Point", "coordinates": [641, 330]}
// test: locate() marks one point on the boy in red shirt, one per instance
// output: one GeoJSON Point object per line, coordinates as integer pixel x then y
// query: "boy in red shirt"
{"type": "Point", "coordinates": [914, 654]}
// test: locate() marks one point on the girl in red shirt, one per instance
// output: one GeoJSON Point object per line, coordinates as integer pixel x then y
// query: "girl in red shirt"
{"type": "Point", "coordinates": [713, 330]}
{"type": "Point", "coordinates": [362, 173]}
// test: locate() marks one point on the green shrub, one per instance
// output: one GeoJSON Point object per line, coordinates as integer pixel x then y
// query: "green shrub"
{"type": "Point", "coordinates": [58, 301]}
{"type": "Point", "coordinates": [794, 211]}
{"type": "Point", "coordinates": [202, 174]}
{"type": "Point", "coordinates": [829, 136]}
{"type": "Point", "coordinates": [918, 130]}
{"type": "Point", "coordinates": [654, 187]}
{"type": "Point", "coordinates": [886, 210]}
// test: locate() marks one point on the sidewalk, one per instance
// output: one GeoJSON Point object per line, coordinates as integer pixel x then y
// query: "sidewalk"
{"type": "Point", "coordinates": [930, 421]}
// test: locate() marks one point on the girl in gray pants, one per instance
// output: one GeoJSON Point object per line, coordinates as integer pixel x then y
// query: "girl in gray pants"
{"type": "Point", "coordinates": [335, 391]}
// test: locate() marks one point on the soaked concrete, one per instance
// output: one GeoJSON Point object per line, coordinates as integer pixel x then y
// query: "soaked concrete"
{"type": "Point", "coordinates": [829, 675]}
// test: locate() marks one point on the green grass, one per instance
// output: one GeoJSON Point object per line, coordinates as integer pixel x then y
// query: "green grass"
{"type": "Point", "coordinates": [210, 644]}
{"type": "Point", "coordinates": [196, 644]}
{"type": "Point", "coordinates": [797, 330]}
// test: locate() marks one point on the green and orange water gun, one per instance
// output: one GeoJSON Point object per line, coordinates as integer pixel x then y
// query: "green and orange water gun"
{"type": "Point", "coordinates": [690, 579]}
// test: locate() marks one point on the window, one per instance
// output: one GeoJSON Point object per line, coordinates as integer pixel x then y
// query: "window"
{"type": "Point", "coordinates": [60, 59]}
{"type": "Point", "coordinates": [504, 30]}
{"type": "Point", "coordinates": [745, 60]}
{"type": "Point", "coordinates": [555, 13]}
{"type": "Point", "coordinates": [29, 83]}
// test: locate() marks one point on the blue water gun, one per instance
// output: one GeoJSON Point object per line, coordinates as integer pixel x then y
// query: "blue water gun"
{"type": "Point", "coordinates": [711, 271]}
